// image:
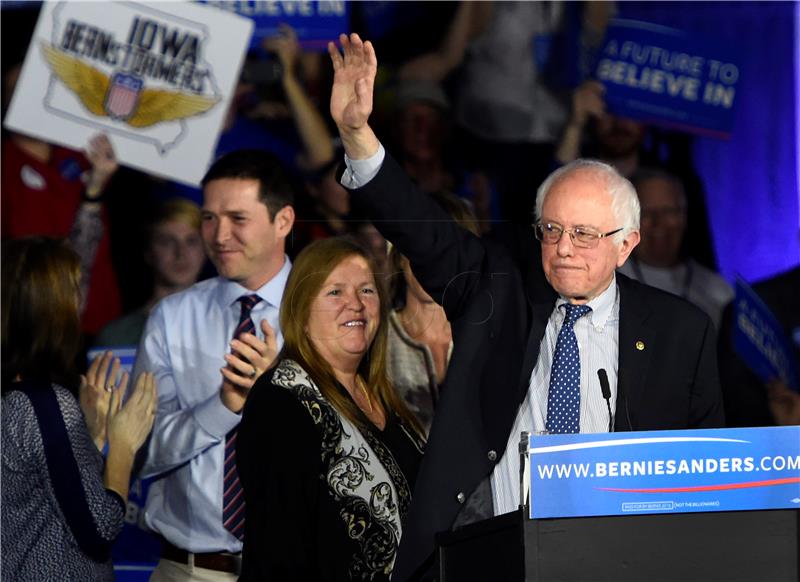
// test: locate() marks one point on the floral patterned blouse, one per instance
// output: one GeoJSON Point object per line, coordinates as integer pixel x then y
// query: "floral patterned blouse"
{"type": "Point", "coordinates": [324, 499]}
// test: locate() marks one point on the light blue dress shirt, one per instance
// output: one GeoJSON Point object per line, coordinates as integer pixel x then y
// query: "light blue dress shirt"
{"type": "Point", "coordinates": [184, 344]}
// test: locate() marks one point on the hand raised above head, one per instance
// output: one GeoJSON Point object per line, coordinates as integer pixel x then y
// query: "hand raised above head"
{"type": "Point", "coordinates": [588, 102]}
{"type": "Point", "coordinates": [286, 46]}
{"type": "Point", "coordinates": [353, 81]}
{"type": "Point", "coordinates": [100, 154]}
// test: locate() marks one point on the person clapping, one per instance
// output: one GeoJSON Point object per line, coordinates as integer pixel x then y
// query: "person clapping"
{"type": "Point", "coordinates": [62, 505]}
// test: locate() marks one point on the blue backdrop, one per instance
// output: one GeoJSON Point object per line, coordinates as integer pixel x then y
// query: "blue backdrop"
{"type": "Point", "coordinates": [751, 180]}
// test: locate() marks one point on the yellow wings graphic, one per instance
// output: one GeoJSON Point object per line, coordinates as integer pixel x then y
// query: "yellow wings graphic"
{"type": "Point", "coordinates": [91, 85]}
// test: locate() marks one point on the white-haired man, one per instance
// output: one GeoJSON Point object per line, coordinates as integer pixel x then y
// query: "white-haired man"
{"type": "Point", "coordinates": [526, 354]}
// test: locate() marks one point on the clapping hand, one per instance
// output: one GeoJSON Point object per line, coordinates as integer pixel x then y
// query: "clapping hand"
{"type": "Point", "coordinates": [130, 423]}
{"type": "Point", "coordinates": [249, 358]}
{"type": "Point", "coordinates": [95, 394]}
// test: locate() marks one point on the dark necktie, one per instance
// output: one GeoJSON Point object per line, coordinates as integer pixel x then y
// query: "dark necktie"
{"type": "Point", "coordinates": [232, 496]}
{"type": "Point", "coordinates": [564, 396]}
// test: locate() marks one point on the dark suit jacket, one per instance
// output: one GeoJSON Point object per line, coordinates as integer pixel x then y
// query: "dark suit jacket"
{"type": "Point", "coordinates": [498, 308]}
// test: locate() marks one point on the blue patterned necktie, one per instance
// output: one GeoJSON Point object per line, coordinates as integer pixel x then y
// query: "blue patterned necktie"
{"type": "Point", "coordinates": [232, 495]}
{"type": "Point", "coordinates": [564, 396]}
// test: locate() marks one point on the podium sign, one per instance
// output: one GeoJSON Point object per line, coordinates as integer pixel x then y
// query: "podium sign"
{"type": "Point", "coordinates": [680, 471]}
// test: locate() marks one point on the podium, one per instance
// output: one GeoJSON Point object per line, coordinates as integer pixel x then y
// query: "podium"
{"type": "Point", "coordinates": [703, 547]}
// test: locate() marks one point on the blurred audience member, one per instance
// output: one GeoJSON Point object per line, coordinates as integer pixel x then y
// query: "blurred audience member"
{"type": "Point", "coordinates": [629, 146]}
{"type": "Point", "coordinates": [327, 452]}
{"type": "Point", "coordinates": [325, 211]}
{"type": "Point", "coordinates": [509, 104]}
{"type": "Point", "coordinates": [467, 22]}
{"type": "Point", "coordinates": [421, 127]}
{"type": "Point", "coordinates": [615, 140]}
{"type": "Point", "coordinates": [271, 110]}
{"type": "Point", "coordinates": [657, 261]}
{"type": "Point", "coordinates": [317, 146]}
{"type": "Point", "coordinates": [371, 239]}
{"type": "Point", "coordinates": [62, 506]}
{"type": "Point", "coordinates": [50, 190]}
{"type": "Point", "coordinates": [174, 253]}
{"type": "Point", "coordinates": [748, 400]}
{"type": "Point", "coordinates": [422, 134]}
{"type": "Point", "coordinates": [420, 338]}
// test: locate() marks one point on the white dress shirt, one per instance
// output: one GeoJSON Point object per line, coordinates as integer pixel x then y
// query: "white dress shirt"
{"type": "Point", "coordinates": [184, 343]}
{"type": "Point", "coordinates": [597, 333]}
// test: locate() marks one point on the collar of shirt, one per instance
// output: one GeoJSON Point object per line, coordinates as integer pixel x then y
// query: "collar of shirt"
{"type": "Point", "coordinates": [602, 306]}
{"type": "Point", "coordinates": [271, 292]}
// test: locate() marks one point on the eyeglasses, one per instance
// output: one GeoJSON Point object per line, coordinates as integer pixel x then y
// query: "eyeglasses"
{"type": "Point", "coordinates": [582, 237]}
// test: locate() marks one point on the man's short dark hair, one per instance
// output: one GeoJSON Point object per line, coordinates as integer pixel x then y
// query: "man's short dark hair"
{"type": "Point", "coordinates": [275, 187]}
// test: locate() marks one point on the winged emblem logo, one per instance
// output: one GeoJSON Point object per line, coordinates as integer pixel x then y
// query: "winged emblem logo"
{"type": "Point", "coordinates": [122, 96]}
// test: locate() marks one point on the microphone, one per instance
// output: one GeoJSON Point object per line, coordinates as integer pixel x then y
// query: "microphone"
{"type": "Point", "coordinates": [606, 390]}
{"type": "Point", "coordinates": [524, 482]}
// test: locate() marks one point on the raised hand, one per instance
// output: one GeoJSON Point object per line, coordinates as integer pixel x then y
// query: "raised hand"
{"type": "Point", "coordinates": [249, 358]}
{"type": "Point", "coordinates": [104, 163]}
{"type": "Point", "coordinates": [94, 394]}
{"type": "Point", "coordinates": [353, 81]}
{"type": "Point", "coordinates": [588, 102]}
{"type": "Point", "coordinates": [285, 46]}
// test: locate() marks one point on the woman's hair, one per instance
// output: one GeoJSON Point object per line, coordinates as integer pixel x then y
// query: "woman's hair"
{"type": "Point", "coordinates": [309, 272]}
{"type": "Point", "coordinates": [41, 321]}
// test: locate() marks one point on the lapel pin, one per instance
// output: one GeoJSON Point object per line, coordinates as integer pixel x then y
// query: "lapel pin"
{"type": "Point", "coordinates": [640, 345]}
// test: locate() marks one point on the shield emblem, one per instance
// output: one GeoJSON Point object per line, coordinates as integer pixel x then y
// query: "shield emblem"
{"type": "Point", "coordinates": [123, 95]}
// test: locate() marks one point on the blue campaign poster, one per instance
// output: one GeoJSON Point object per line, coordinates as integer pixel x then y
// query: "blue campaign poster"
{"type": "Point", "coordinates": [136, 550]}
{"type": "Point", "coordinates": [315, 21]}
{"type": "Point", "coordinates": [581, 475]}
{"type": "Point", "coordinates": [666, 77]}
{"type": "Point", "coordinates": [759, 339]}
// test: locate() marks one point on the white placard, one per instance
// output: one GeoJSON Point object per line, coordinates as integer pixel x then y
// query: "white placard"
{"type": "Point", "coordinates": [156, 77]}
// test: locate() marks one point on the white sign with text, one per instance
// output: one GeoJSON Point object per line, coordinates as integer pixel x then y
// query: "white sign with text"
{"type": "Point", "coordinates": [157, 78]}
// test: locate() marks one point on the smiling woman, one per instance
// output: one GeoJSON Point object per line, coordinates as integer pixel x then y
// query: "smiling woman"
{"type": "Point", "coordinates": [327, 451]}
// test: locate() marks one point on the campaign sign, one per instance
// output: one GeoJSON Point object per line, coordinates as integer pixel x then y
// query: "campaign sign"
{"type": "Point", "coordinates": [316, 22]}
{"type": "Point", "coordinates": [136, 550]}
{"type": "Point", "coordinates": [678, 471]}
{"type": "Point", "coordinates": [759, 340]}
{"type": "Point", "coordinates": [157, 78]}
{"type": "Point", "coordinates": [665, 77]}
{"type": "Point", "coordinates": [126, 355]}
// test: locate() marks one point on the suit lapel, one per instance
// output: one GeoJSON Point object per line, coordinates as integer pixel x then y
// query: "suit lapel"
{"type": "Point", "coordinates": [636, 344]}
{"type": "Point", "coordinates": [540, 314]}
